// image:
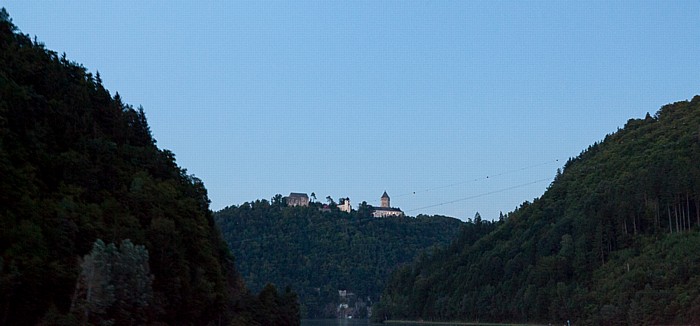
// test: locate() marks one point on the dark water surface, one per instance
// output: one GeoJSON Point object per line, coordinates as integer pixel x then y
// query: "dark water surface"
{"type": "Point", "coordinates": [355, 322]}
{"type": "Point", "coordinates": [336, 322]}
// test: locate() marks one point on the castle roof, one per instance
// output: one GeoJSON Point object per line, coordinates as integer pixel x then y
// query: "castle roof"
{"type": "Point", "coordinates": [385, 195]}
{"type": "Point", "coordinates": [298, 194]}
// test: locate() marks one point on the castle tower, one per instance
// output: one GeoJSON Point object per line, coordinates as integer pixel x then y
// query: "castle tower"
{"type": "Point", "coordinates": [385, 200]}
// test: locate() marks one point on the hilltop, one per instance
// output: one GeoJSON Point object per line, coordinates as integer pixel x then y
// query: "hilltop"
{"type": "Point", "coordinates": [331, 257]}
{"type": "Point", "coordinates": [612, 241]}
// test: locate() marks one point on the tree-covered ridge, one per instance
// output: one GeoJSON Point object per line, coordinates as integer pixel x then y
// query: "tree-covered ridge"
{"type": "Point", "coordinates": [321, 252]}
{"type": "Point", "coordinates": [79, 168]}
{"type": "Point", "coordinates": [612, 241]}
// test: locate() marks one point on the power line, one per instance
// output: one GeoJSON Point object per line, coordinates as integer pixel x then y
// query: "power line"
{"type": "Point", "coordinates": [479, 195]}
{"type": "Point", "coordinates": [488, 177]}
{"type": "Point", "coordinates": [478, 179]}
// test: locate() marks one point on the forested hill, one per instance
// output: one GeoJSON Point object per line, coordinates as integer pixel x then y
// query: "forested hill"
{"type": "Point", "coordinates": [613, 241]}
{"type": "Point", "coordinates": [97, 225]}
{"type": "Point", "coordinates": [320, 253]}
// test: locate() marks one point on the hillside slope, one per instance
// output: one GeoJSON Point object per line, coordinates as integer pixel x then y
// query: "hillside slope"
{"type": "Point", "coordinates": [98, 225]}
{"type": "Point", "coordinates": [320, 253]}
{"type": "Point", "coordinates": [612, 241]}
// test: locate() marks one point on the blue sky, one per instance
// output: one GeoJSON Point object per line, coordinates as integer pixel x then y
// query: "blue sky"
{"type": "Point", "coordinates": [452, 107]}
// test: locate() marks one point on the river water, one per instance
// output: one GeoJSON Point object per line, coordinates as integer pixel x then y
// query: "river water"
{"type": "Point", "coordinates": [351, 322]}
{"type": "Point", "coordinates": [336, 322]}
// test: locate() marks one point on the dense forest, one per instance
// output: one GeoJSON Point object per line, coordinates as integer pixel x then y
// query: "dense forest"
{"type": "Point", "coordinates": [98, 225]}
{"type": "Point", "coordinates": [320, 252]}
{"type": "Point", "coordinates": [613, 241]}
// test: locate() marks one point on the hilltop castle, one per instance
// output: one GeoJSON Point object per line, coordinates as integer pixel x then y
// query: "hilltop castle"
{"type": "Point", "coordinates": [385, 210]}
{"type": "Point", "coordinates": [297, 199]}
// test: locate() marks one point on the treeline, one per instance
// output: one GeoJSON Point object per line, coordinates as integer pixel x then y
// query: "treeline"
{"type": "Point", "coordinates": [613, 241]}
{"type": "Point", "coordinates": [321, 252]}
{"type": "Point", "coordinates": [98, 225]}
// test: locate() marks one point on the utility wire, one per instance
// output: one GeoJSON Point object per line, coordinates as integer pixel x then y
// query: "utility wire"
{"type": "Point", "coordinates": [469, 181]}
{"type": "Point", "coordinates": [478, 179]}
{"type": "Point", "coordinates": [479, 195]}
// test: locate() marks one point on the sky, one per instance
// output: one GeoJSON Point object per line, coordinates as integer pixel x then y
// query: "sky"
{"type": "Point", "coordinates": [451, 107]}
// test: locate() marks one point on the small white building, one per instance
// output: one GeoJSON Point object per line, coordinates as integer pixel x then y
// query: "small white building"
{"type": "Point", "coordinates": [344, 205]}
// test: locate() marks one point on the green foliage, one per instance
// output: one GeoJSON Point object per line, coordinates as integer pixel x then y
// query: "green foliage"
{"type": "Point", "coordinates": [319, 253]}
{"type": "Point", "coordinates": [78, 165]}
{"type": "Point", "coordinates": [114, 285]}
{"type": "Point", "coordinates": [612, 241]}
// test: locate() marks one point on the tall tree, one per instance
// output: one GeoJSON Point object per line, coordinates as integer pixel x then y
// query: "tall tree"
{"type": "Point", "coordinates": [114, 285]}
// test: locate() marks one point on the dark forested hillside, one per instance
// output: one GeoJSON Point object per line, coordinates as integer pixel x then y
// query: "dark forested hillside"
{"type": "Point", "coordinates": [97, 225]}
{"type": "Point", "coordinates": [613, 241]}
{"type": "Point", "coordinates": [320, 253]}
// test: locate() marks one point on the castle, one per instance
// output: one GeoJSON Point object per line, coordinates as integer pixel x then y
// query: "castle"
{"type": "Point", "coordinates": [297, 199]}
{"type": "Point", "coordinates": [385, 210]}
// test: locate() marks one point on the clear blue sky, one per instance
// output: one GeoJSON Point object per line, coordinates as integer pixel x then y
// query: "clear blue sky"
{"type": "Point", "coordinates": [350, 99]}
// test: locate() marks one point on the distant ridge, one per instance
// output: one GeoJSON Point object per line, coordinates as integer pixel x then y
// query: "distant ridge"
{"type": "Point", "coordinates": [321, 250]}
